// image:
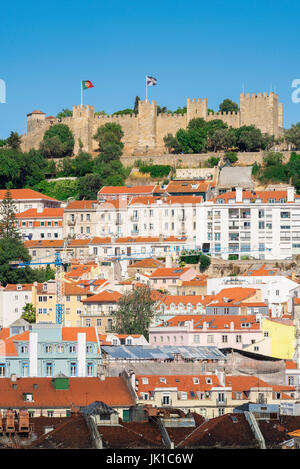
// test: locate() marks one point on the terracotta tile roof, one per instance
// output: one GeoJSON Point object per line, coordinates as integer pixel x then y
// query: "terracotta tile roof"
{"type": "Point", "coordinates": [183, 299]}
{"type": "Point", "coordinates": [188, 186]}
{"type": "Point", "coordinates": [113, 203]}
{"type": "Point", "coordinates": [264, 196]}
{"type": "Point", "coordinates": [126, 190]}
{"type": "Point", "coordinates": [69, 334]}
{"type": "Point", "coordinates": [44, 243]}
{"type": "Point", "coordinates": [291, 365]}
{"type": "Point", "coordinates": [46, 213]}
{"type": "Point", "coordinates": [104, 297]}
{"type": "Point", "coordinates": [78, 270]}
{"type": "Point", "coordinates": [174, 272]}
{"type": "Point", "coordinates": [296, 301]}
{"type": "Point", "coordinates": [79, 242]}
{"type": "Point", "coordinates": [150, 239]}
{"type": "Point", "coordinates": [261, 271]}
{"type": "Point", "coordinates": [146, 264]}
{"type": "Point", "coordinates": [28, 194]}
{"type": "Point", "coordinates": [98, 240]}
{"type": "Point", "coordinates": [232, 296]}
{"type": "Point", "coordinates": [82, 391]}
{"type": "Point", "coordinates": [82, 205]}
{"type": "Point", "coordinates": [183, 383]}
{"type": "Point", "coordinates": [4, 333]}
{"type": "Point", "coordinates": [215, 322]}
{"type": "Point", "coordinates": [14, 287]}
{"type": "Point", "coordinates": [178, 199]}
{"type": "Point", "coordinates": [138, 435]}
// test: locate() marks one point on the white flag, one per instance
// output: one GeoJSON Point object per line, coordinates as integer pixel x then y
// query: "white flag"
{"type": "Point", "coordinates": [151, 81]}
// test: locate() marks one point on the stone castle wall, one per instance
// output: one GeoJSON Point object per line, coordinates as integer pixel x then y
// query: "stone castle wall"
{"type": "Point", "coordinates": [144, 133]}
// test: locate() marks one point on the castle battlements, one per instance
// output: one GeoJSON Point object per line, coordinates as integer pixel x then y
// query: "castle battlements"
{"type": "Point", "coordinates": [144, 133]}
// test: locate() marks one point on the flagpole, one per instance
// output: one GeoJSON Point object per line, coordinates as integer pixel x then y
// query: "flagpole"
{"type": "Point", "coordinates": [81, 94]}
{"type": "Point", "coordinates": [146, 90]}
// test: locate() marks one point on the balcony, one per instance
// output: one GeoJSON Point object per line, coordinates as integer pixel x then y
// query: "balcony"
{"type": "Point", "coordinates": [134, 218]}
{"type": "Point", "coordinates": [134, 232]}
{"type": "Point", "coordinates": [71, 222]}
{"type": "Point", "coordinates": [221, 402]}
{"type": "Point", "coordinates": [118, 221]}
{"type": "Point", "coordinates": [261, 400]}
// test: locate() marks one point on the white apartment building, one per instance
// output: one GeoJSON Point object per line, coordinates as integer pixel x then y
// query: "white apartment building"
{"type": "Point", "coordinates": [276, 290]}
{"type": "Point", "coordinates": [13, 298]}
{"type": "Point", "coordinates": [41, 224]}
{"type": "Point", "coordinates": [25, 199]}
{"type": "Point", "coordinates": [261, 225]}
{"type": "Point", "coordinates": [149, 216]}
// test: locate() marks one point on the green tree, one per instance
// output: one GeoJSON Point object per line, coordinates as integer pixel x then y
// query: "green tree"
{"type": "Point", "coordinates": [136, 310]}
{"type": "Point", "coordinates": [231, 156]}
{"type": "Point", "coordinates": [108, 134]}
{"type": "Point", "coordinates": [89, 186]}
{"type": "Point", "coordinates": [272, 158]}
{"type": "Point", "coordinates": [123, 112]}
{"type": "Point", "coordinates": [64, 113]}
{"type": "Point", "coordinates": [83, 164]}
{"type": "Point", "coordinates": [136, 105]}
{"type": "Point", "coordinates": [249, 138]}
{"type": "Point", "coordinates": [228, 106]}
{"type": "Point", "coordinates": [29, 313]}
{"type": "Point", "coordinates": [204, 262]}
{"type": "Point", "coordinates": [14, 141]}
{"type": "Point", "coordinates": [172, 144]}
{"type": "Point", "coordinates": [213, 161]}
{"type": "Point", "coordinates": [58, 141]}
{"type": "Point", "coordinates": [8, 222]}
{"type": "Point", "coordinates": [292, 135]}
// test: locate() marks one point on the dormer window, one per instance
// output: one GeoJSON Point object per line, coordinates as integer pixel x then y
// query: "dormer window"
{"type": "Point", "coordinates": [163, 380]}
{"type": "Point", "coordinates": [208, 381]}
{"type": "Point", "coordinates": [27, 396]}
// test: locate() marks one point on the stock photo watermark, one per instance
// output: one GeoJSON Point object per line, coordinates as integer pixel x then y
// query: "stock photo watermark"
{"type": "Point", "coordinates": [296, 92]}
{"type": "Point", "coordinates": [2, 92]}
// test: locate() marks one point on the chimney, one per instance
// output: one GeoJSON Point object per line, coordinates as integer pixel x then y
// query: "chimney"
{"type": "Point", "coordinates": [290, 194]}
{"type": "Point", "coordinates": [81, 353]}
{"type": "Point", "coordinates": [169, 262]}
{"type": "Point", "coordinates": [239, 194]}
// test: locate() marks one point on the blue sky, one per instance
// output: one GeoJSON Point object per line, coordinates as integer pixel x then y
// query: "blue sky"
{"type": "Point", "coordinates": [194, 49]}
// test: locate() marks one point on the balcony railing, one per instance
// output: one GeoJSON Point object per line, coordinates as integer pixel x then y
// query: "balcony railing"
{"type": "Point", "coordinates": [221, 401]}
{"type": "Point", "coordinates": [71, 222]}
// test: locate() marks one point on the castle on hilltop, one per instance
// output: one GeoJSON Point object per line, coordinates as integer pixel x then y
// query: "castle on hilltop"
{"type": "Point", "coordinates": [144, 132]}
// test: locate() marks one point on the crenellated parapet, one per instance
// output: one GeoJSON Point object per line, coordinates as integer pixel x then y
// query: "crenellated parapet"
{"type": "Point", "coordinates": [144, 132]}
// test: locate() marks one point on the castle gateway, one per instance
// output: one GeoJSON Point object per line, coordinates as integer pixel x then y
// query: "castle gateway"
{"type": "Point", "coordinates": [144, 132]}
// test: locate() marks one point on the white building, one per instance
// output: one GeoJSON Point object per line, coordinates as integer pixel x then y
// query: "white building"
{"type": "Point", "coordinates": [261, 225]}
{"type": "Point", "coordinates": [13, 298]}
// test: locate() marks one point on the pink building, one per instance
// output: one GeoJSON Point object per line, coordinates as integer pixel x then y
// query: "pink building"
{"type": "Point", "coordinates": [219, 331]}
{"type": "Point", "coordinates": [165, 277]}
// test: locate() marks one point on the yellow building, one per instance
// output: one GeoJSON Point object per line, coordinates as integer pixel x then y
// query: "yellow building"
{"type": "Point", "coordinates": [282, 333]}
{"type": "Point", "coordinates": [44, 299]}
{"type": "Point", "coordinates": [208, 395]}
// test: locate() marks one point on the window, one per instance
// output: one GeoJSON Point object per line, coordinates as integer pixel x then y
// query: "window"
{"type": "Point", "coordinates": [90, 369]}
{"type": "Point", "coordinates": [24, 349]}
{"type": "Point", "coordinates": [2, 369]}
{"type": "Point", "coordinates": [196, 339]}
{"type": "Point", "coordinates": [49, 369]}
{"type": "Point", "coordinates": [291, 380]}
{"type": "Point", "coordinates": [98, 322]}
{"type": "Point", "coordinates": [60, 349]}
{"type": "Point", "coordinates": [72, 348]}
{"type": "Point", "coordinates": [166, 400]}
{"type": "Point", "coordinates": [145, 381]}
{"type": "Point", "coordinates": [89, 348]}
{"type": "Point", "coordinates": [163, 380]}
{"type": "Point", "coordinates": [224, 338]}
{"type": "Point", "coordinates": [238, 339]}
{"type": "Point", "coordinates": [48, 349]}
{"type": "Point", "coordinates": [72, 369]}
{"type": "Point", "coordinates": [67, 298]}
{"type": "Point", "coordinates": [196, 380]}
{"type": "Point", "coordinates": [266, 334]}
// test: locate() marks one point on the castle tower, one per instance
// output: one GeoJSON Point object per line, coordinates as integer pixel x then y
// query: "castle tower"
{"type": "Point", "coordinates": [147, 121]}
{"type": "Point", "coordinates": [34, 120]}
{"type": "Point", "coordinates": [261, 110]}
{"type": "Point", "coordinates": [195, 109]}
{"type": "Point", "coordinates": [81, 125]}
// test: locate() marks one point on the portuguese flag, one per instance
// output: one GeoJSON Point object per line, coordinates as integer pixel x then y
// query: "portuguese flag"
{"type": "Point", "coordinates": [87, 84]}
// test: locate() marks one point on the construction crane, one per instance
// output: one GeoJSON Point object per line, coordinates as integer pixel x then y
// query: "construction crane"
{"type": "Point", "coordinates": [59, 263]}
